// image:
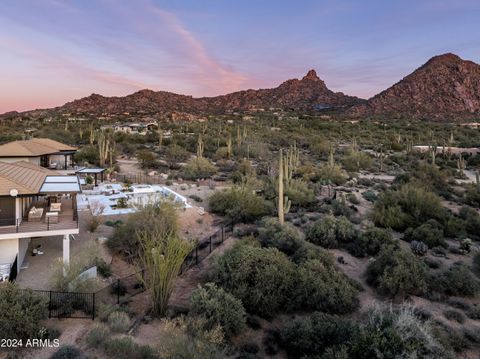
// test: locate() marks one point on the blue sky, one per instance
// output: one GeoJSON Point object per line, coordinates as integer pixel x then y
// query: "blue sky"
{"type": "Point", "coordinates": [54, 51]}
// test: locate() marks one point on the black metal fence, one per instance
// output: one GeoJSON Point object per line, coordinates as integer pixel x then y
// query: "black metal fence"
{"type": "Point", "coordinates": [84, 305]}
{"type": "Point", "coordinates": [69, 304]}
{"type": "Point", "coordinates": [205, 247]}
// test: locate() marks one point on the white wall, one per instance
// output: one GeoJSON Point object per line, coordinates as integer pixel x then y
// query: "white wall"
{"type": "Point", "coordinates": [8, 250]}
{"type": "Point", "coordinates": [22, 251]}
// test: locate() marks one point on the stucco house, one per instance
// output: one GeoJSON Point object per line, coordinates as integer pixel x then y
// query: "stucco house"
{"type": "Point", "coordinates": [43, 152]}
{"type": "Point", "coordinates": [34, 202]}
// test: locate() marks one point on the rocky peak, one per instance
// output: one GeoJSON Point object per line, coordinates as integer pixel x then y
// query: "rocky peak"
{"type": "Point", "coordinates": [311, 76]}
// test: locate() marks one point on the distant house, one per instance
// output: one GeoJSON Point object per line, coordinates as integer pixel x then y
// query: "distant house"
{"type": "Point", "coordinates": [34, 202]}
{"type": "Point", "coordinates": [43, 152]}
{"type": "Point", "coordinates": [132, 128]}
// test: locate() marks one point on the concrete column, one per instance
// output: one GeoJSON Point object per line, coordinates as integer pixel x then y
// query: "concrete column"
{"type": "Point", "coordinates": [66, 251]}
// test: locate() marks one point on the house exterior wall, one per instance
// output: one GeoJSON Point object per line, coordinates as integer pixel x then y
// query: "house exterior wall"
{"type": "Point", "coordinates": [22, 251]}
{"type": "Point", "coordinates": [8, 250]}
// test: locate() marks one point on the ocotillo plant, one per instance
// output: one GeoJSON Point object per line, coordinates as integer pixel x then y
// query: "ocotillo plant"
{"type": "Point", "coordinates": [200, 146]}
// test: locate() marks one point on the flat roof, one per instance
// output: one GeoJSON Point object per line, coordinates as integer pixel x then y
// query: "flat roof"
{"type": "Point", "coordinates": [61, 184]}
{"type": "Point", "coordinates": [91, 170]}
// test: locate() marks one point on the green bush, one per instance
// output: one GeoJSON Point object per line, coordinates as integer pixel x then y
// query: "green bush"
{"type": "Point", "coordinates": [239, 204]}
{"type": "Point", "coordinates": [457, 280]}
{"type": "Point", "coordinates": [370, 196]}
{"type": "Point", "coordinates": [97, 336]}
{"type": "Point", "coordinates": [68, 352]}
{"type": "Point", "coordinates": [455, 315]}
{"type": "Point", "coordinates": [391, 333]}
{"type": "Point", "coordinates": [430, 233]}
{"type": "Point", "coordinates": [20, 312]}
{"type": "Point", "coordinates": [262, 278]}
{"type": "Point", "coordinates": [324, 288]}
{"type": "Point", "coordinates": [285, 238]}
{"type": "Point", "coordinates": [329, 232]}
{"type": "Point", "coordinates": [121, 348]}
{"type": "Point", "coordinates": [408, 206]}
{"type": "Point", "coordinates": [311, 336]}
{"type": "Point", "coordinates": [218, 308]}
{"type": "Point", "coordinates": [355, 161]}
{"type": "Point", "coordinates": [119, 322]}
{"type": "Point", "coordinates": [161, 215]}
{"type": "Point", "coordinates": [370, 242]}
{"type": "Point", "coordinates": [198, 168]}
{"type": "Point", "coordinates": [331, 175]}
{"type": "Point", "coordinates": [299, 193]}
{"type": "Point", "coordinates": [397, 273]}
{"type": "Point", "coordinates": [103, 268]}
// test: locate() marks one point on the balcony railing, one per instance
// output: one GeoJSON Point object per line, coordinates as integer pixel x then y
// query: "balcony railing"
{"type": "Point", "coordinates": [66, 219]}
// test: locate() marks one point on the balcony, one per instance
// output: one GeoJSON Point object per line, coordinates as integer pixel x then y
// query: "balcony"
{"type": "Point", "coordinates": [66, 219]}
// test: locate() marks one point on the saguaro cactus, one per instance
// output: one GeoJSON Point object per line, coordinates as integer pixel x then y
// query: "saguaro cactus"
{"type": "Point", "coordinates": [200, 146]}
{"type": "Point", "coordinates": [229, 146]}
{"type": "Point", "coordinates": [461, 165]}
{"type": "Point", "coordinates": [103, 148]}
{"type": "Point", "coordinates": [290, 162]}
{"type": "Point", "coordinates": [284, 203]}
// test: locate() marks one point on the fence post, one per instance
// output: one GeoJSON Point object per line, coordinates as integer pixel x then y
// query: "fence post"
{"type": "Point", "coordinates": [50, 305]}
{"type": "Point", "coordinates": [93, 306]}
{"type": "Point", "coordinates": [118, 291]}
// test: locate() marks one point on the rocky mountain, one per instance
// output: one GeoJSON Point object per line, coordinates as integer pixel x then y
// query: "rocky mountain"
{"type": "Point", "coordinates": [306, 94]}
{"type": "Point", "coordinates": [444, 88]}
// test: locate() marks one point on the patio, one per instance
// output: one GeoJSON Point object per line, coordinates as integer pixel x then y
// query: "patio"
{"type": "Point", "coordinates": [65, 218]}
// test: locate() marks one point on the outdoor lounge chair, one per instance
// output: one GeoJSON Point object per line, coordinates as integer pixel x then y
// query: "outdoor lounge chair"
{"type": "Point", "coordinates": [35, 214]}
{"type": "Point", "coordinates": [51, 217]}
{"type": "Point", "coordinates": [55, 207]}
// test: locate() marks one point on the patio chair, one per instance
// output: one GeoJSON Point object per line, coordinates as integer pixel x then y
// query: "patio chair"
{"type": "Point", "coordinates": [51, 217]}
{"type": "Point", "coordinates": [55, 207]}
{"type": "Point", "coordinates": [35, 214]}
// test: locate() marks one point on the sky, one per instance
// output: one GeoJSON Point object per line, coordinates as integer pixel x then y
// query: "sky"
{"type": "Point", "coordinates": [54, 51]}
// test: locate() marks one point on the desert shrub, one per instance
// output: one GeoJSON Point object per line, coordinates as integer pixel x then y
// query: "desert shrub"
{"type": "Point", "coordinates": [430, 233]}
{"type": "Point", "coordinates": [262, 278]}
{"type": "Point", "coordinates": [408, 206]}
{"type": "Point", "coordinates": [419, 248]}
{"type": "Point", "coordinates": [457, 280]}
{"type": "Point", "coordinates": [87, 154]}
{"type": "Point", "coordinates": [370, 196]}
{"type": "Point", "coordinates": [68, 352]}
{"type": "Point", "coordinates": [396, 272]}
{"type": "Point", "coordinates": [285, 238]}
{"type": "Point", "coordinates": [20, 312]}
{"type": "Point", "coordinates": [370, 242]}
{"type": "Point", "coordinates": [472, 221]}
{"type": "Point", "coordinates": [198, 168]}
{"type": "Point", "coordinates": [311, 251]}
{"type": "Point", "coordinates": [188, 338]}
{"type": "Point", "coordinates": [355, 161]}
{"type": "Point", "coordinates": [299, 193]}
{"type": "Point", "coordinates": [251, 348]}
{"type": "Point", "coordinates": [432, 262]}
{"type": "Point", "coordinates": [331, 175]}
{"type": "Point", "coordinates": [119, 322]}
{"type": "Point", "coordinates": [175, 154]}
{"type": "Point", "coordinates": [391, 333]}
{"type": "Point", "coordinates": [455, 315]}
{"type": "Point", "coordinates": [218, 308]}
{"type": "Point", "coordinates": [476, 264]}
{"type": "Point", "coordinates": [196, 198]}
{"type": "Point", "coordinates": [472, 196]}
{"type": "Point", "coordinates": [97, 336]}
{"type": "Point", "coordinates": [311, 336]}
{"type": "Point", "coordinates": [329, 232]}
{"type": "Point", "coordinates": [474, 313]}
{"type": "Point", "coordinates": [324, 288]}
{"type": "Point", "coordinates": [121, 348]}
{"type": "Point", "coordinates": [103, 268]}
{"type": "Point", "coordinates": [239, 204]}
{"type": "Point", "coordinates": [352, 198]}
{"type": "Point", "coordinates": [161, 215]}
